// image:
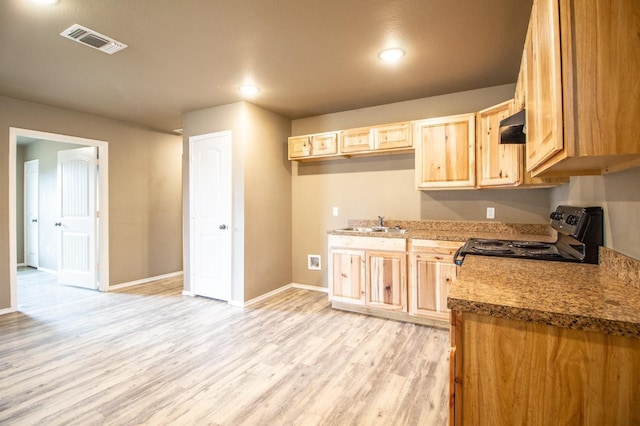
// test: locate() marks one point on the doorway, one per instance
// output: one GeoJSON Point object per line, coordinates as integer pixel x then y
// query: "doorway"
{"type": "Point", "coordinates": [102, 246]}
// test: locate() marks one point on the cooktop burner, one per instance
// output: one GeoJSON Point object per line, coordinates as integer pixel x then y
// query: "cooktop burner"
{"type": "Point", "coordinates": [579, 231]}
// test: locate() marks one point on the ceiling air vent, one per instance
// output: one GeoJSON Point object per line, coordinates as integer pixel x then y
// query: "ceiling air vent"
{"type": "Point", "coordinates": [93, 39]}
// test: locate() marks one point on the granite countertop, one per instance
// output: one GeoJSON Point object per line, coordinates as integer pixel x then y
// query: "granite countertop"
{"type": "Point", "coordinates": [455, 230]}
{"type": "Point", "coordinates": [571, 295]}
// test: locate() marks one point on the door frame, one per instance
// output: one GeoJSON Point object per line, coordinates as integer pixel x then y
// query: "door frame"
{"type": "Point", "coordinates": [103, 200]}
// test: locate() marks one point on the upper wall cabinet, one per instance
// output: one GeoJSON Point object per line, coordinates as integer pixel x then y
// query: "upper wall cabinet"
{"type": "Point", "coordinates": [498, 165]}
{"type": "Point", "coordinates": [582, 61]}
{"type": "Point", "coordinates": [502, 165]}
{"type": "Point", "coordinates": [445, 152]}
{"type": "Point", "coordinates": [384, 139]}
{"type": "Point", "coordinates": [317, 145]}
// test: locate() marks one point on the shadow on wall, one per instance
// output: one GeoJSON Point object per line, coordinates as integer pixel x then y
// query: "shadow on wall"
{"type": "Point", "coordinates": [511, 205]}
{"type": "Point", "coordinates": [358, 165]}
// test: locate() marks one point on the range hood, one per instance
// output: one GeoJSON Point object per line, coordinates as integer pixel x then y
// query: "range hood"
{"type": "Point", "coordinates": [512, 129]}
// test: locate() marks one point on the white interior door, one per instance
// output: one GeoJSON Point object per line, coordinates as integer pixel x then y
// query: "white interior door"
{"type": "Point", "coordinates": [210, 209]}
{"type": "Point", "coordinates": [31, 231]}
{"type": "Point", "coordinates": [77, 170]}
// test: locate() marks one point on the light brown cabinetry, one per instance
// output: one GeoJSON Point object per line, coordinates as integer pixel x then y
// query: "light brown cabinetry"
{"type": "Point", "coordinates": [368, 275]}
{"type": "Point", "coordinates": [317, 145]}
{"type": "Point", "coordinates": [386, 277]}
{"type": "Point", "coordinates": [348, 275]}
{"type": "Point", "coordinates": [582, 96]}
{"type": "Point", "coordinates": [498, 164]}
{"type": "Point", "coordinates": [445, 152]}
{"type": "Point", "coordinates": [432, 271]}
{"type": "Point", "coordinates": [356, 140]}
{"type": "Point", "coordinates": [507, 372]}
{"type": "Point", "coordinates": [502, 165]}
{"type": "Point", "coordinates": [393, 136]}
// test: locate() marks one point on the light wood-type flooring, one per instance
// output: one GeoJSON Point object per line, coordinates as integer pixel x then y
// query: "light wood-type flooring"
{"type": "Point", "coordinates": [147, 355]}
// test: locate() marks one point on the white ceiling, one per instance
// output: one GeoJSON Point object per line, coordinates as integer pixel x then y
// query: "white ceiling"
{"type": "Point", "coordinates": [309, 57]}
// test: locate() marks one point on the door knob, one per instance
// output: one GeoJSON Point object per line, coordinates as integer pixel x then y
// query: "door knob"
{"type": "Point", "coordinates": [34, 220]}
{"type": "Point", "coordinates": [58, 223]}
{"type": "Point", "coordinates": [223, 227]}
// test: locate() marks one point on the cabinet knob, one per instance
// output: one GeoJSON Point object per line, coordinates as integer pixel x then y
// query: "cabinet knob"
{"type": "Point", "coordinates": [387, 287]}
{"type": "Point", "coordinates": [344, 275]}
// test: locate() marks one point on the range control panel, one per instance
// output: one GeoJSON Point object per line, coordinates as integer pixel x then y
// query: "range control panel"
{"type": "Point", "coordinates": [573, 221]}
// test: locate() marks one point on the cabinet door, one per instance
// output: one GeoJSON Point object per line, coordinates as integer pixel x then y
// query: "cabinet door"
{"type": "Point", "coordinates": [299, 146]}
{"type": "Point", "coordinates": [445, 152]}
{"type": "Point", "coordinates": [386, 280]}
{"type": "Point", "coordinates": [432, 276]}
{"type": "Point", "coordinates": [544, 84]}
{"type": "Point", "coordinates": [393, 136]}
{"type": "Point", "coordinates": [325, 144]}
{"type": "Point", "coordinates": [347, 275]}
{"type": "Point", "coordinates": [356, 140]}
{"type": "Point", "coordinates": [498, 164]}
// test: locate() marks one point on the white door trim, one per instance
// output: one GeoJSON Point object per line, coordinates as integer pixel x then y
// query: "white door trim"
{"type": "Point", "coordinates": [103, 197]}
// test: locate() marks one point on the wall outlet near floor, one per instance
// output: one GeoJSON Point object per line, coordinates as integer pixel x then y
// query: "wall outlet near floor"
{"type": "Point", "coordinates": [335, 211]}
{"type": "Point", "coordinates": [491, 212]}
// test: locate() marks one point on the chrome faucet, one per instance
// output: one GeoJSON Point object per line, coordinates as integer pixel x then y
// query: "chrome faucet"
{"type": "Point", "coordinates": [381, 221]}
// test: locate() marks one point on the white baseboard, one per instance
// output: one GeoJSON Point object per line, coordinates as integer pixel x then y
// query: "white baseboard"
{"type": "Point", "coordinates": [272, 293]}
{"type": "Point", "coordinates": [188, 293]}
{"type": "Point", "coordinates": [48, 271]}
{"type": "Point", "coordinates": [8, 311]}
{"type": "Point", "coordinates": [20, 265]}
{"type": "Point", "coordinates": [144, 281]}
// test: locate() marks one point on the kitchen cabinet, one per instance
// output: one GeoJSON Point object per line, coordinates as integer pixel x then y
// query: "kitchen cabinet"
{"type": "Point", "coordinates": [317, 145]}
{"type": "Point", "coordinates": [348, 275]}
{"type": "Point", "coordinates": [356, 140]}
{"type": "Point", "coordinates": [393, 136]}
{"type": "Point", "coordinates": [498, 164]}
{"type": "Point", "coordinates": [582, 97]}
{"type": "Point", "coordinates": [386, 280]}
{"type": "Point", "coordinates": [432, 271]}
{"type": "Point", "coordinates": [368, 275]}
{"type": "Point", "coordinates": [445, 152]}
{"type": "Point", "coordinates": [503, 165]}
{"type": "Point", "coordinates": [507, 372]}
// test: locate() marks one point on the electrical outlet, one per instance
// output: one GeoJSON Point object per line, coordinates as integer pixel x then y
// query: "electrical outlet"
{"type": "Point", "coordinates": [491, 212]}
{"type": "Point", "coordinates": [335, 211]}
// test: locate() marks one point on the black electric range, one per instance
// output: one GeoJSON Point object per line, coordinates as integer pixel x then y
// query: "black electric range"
{"type": "Point", "coordinates": [580, 233]}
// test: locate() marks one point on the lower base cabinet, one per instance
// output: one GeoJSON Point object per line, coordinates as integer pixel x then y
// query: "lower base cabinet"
{"type": "Point", "coordinates": [509, 372]}
{"type": "Point", "coordinates": [371, 275]}
{"type": "Point", "coordinates": [432, 273]}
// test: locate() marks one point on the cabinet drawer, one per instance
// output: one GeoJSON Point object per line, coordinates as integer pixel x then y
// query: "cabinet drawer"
{"type": "Point", "coordinates": [435, 247]}
{"type": "Point", "coordinates": [325, 144]}
{"type": "Point", "coordinates": [368, 243]}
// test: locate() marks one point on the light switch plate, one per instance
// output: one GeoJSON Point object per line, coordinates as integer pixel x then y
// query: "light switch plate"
{"type": "Point", "coordinates": [491, 212]}
{"type": "Point", "coordinates": [335, 211]}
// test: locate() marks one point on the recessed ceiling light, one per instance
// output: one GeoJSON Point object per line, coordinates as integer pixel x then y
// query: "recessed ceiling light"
{"type": "Point", "coordinates": [249, 89]}
{"type": "Point", "coordinates": [391, 55]}
{"type": "Point", "coordinates": [44, 1]}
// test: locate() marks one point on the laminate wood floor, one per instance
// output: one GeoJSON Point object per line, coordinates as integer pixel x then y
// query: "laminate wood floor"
{"type": "Point", "coordinates": [147, 355]}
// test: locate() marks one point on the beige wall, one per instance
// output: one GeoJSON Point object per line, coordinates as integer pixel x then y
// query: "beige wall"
{"type": "Point", "coordinates": [261, 194]}
{"type": "Point", "coordinates": [144, 189]}
{"type": "Point", "coordinates": [364, 188]}
{"type": "Point", "coordinates": [619, 195]}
